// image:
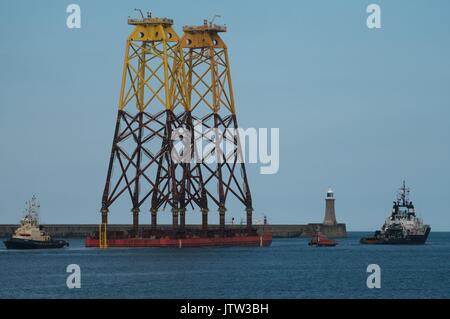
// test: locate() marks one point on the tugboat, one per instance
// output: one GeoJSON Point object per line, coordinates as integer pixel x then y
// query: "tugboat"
{"type": "Point", "coordinates": [30, 235]}
{"type": "Point", "coordinates": [320, 240]}
{"type": "Point", "coordinates": [402, 227]}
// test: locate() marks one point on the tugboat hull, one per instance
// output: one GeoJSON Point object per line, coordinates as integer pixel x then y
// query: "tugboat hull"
{"type": "Point", "coordinates": [408, 240]}
{"type": "Point", "coordinates": [15, 243]}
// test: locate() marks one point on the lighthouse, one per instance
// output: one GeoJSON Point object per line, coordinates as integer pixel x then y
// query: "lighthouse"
{"type": "Point", "coordinates": [330, 214]}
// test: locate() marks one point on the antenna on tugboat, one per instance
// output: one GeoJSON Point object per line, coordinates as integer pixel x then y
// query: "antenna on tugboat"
{"type": "Point", "coordinates": [404, 193]}
{"type": "Point", "coordinates": [140, 11]}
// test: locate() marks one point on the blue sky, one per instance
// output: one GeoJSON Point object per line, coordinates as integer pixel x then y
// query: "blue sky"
{"type": "Point", "coordinates": [358, 110]}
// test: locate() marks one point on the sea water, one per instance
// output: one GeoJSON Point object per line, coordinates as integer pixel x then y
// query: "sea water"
{"type": "Point", "coordinates": [288, 269]}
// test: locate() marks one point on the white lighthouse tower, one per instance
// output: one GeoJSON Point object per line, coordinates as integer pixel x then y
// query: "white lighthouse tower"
{"type": "Point", "coordinates": [330, 214]}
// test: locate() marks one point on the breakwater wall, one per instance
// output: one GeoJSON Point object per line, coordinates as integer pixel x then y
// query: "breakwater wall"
{"type": "Point", "coordinates": [278, 231]}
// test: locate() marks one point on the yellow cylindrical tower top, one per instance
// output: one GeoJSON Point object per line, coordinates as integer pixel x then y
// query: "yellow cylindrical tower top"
{"type": "Point", "coordinates": [203, 36]}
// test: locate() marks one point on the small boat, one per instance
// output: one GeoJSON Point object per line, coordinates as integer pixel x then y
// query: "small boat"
{"type": "Point", "coordinates": [320, 240]}
{"type": "Point", "coordinates": [30, 235]}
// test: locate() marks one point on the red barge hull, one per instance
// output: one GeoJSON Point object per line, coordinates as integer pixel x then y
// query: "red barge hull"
{"type": "Point", "coordinates": [258, 241]}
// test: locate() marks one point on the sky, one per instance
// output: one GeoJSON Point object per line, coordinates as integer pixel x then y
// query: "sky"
{"type": "Point", "coordinates": [358, 109]}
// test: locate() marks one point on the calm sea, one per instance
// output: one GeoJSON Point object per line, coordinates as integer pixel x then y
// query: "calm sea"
{"type": "Point", "coordinates": [287, 269]}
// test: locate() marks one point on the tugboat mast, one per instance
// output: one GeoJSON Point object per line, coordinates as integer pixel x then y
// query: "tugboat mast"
{"type": "Point", "coordinates": [403, 196]}
{"type": "Point", "coordinates": [32, 211]}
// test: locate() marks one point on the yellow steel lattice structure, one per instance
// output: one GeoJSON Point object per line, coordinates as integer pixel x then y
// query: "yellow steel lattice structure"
{"type": "Point", "coordinates": [208, 69]}
{"type": "Point", "coordinates": [170, 83]}
{"type": "Point", "coordinates": [152, 74]}
{"type": "Point", "coordinates": [152, 90]}
{"type": "Point", "coordinates": [211, 100]}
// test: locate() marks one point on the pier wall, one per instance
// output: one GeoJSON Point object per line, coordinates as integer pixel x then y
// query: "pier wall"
{"type": "Point", "coordinates": [288, 231]}
{"type": "Point", "coordinates": [278, 231]}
